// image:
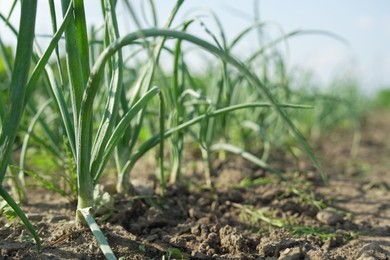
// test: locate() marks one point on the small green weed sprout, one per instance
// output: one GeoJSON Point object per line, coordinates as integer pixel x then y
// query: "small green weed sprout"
{"type": "Point", "coordinates": [322, 232]}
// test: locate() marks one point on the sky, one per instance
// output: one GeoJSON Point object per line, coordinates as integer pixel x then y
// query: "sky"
{"type": "Point", "coordinates": [364, 24]}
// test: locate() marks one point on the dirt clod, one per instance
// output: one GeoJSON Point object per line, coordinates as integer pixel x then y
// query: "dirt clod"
{"type": "Point", "coordinates": [294, 253]}
{"type": "Point", "coordinates": [373, 251]}
{"type": "Point", "coordinates": [329, 217]}
{"type": "Point", "coordinates": [333, 242]}
{"type": "Point", "coordinates": [232, 242]}
{"type": "Point", "coordinates": [274, 249]}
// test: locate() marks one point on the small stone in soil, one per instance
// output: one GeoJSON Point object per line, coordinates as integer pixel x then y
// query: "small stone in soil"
{"type": "Point", "coordinates": [291, 254]}
{"type": "Point", "coordinates": [151, 238]}
{"type": "Point", "coordinates": [272, 249]}
{"type": "Point", "coordinates": [34, 217]}
{"type": "Point", "coordinates": [373, 251]}
{"type": "Point", "coordinates": [59, 218]}
{"type": "Point", "coordinates": [271, 194]}
{"type": "Point", "coordinates": [199, 255]}
{"type": "Point", "coordinates": [329, 217]}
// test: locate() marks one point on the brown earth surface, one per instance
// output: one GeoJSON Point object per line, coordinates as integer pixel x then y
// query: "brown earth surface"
{"type": "Point", "coordinates": [250, 214]}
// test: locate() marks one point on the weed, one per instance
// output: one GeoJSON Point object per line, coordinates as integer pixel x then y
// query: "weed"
{"type": "Point", "coordinates": [175, 253]}
{"type": "Point", "coordinates": [252, 215]}
{"type": "Point", "coordinates": [322, 232]}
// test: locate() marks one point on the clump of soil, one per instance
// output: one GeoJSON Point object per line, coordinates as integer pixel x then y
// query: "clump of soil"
{"type": "Point", "coordinates": [250, 214]}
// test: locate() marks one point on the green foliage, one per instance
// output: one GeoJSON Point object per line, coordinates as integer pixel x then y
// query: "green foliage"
{"type": "Point", "coordinates": [382, 99]}
{"type": "Point", "coordinates": [15, 105]}
{"type": "Point", "coordinates": [175, 253]}
{"type": "Point", "coordinates": [71, 176]}
{"type": "Point", "coordinates": [322, 232]}
{"type": "Point", "coordinates": [306, 197]}
{"type": "Point", "coordinates": [6, 63]}
{"type": "Point", "coordinates": [97, 105]}
{"type": "Point", "coordinates": [340, 106]}
{"type": "Point", "coordinates": [103, 203]}
{"type": "Point", "coordinates": [7, 211]}
{"type": "Point", "coordinates": [45, 183]}
{"type": "Point", "coordinates": [142, 248]}
{"type": "Point", "coordinates": [252, 215]}
{"type": "Point", "coordinates": [302, 191]}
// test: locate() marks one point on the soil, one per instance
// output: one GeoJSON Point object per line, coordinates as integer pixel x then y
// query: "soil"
{"type": "Point", "coordinates": [250, 214]}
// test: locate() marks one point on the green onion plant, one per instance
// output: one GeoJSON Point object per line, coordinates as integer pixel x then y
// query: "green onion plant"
{"type": "Point", "coordinates": [104, 100]}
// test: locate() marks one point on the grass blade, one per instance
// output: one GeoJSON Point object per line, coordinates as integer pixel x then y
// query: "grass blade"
{"type": "Point", "coordinates": [74, 64]}
{"type": "Point", "coordinates": [161, 150]}
{"type": "Point", "coordinates": [111, 111]}
{"type": "Point", "coordinates": [121, 127]}
{"type": "Point", "coordinates": [18, 83]}
{"type": "Point", "coordinates": [12, 119]}
{"type": "Point", "coordinates": [82, 35]}
{"type": "Point", "coordinates": [23, 152]}
{"type": "Point", "coordinates": [153, 141]}
{"type": "Point", "coordinates": [246, 155]}
{"type": "Point", "coordinates": [4, 194]}
{"type": "Point", "coordinates": [53, 16]}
